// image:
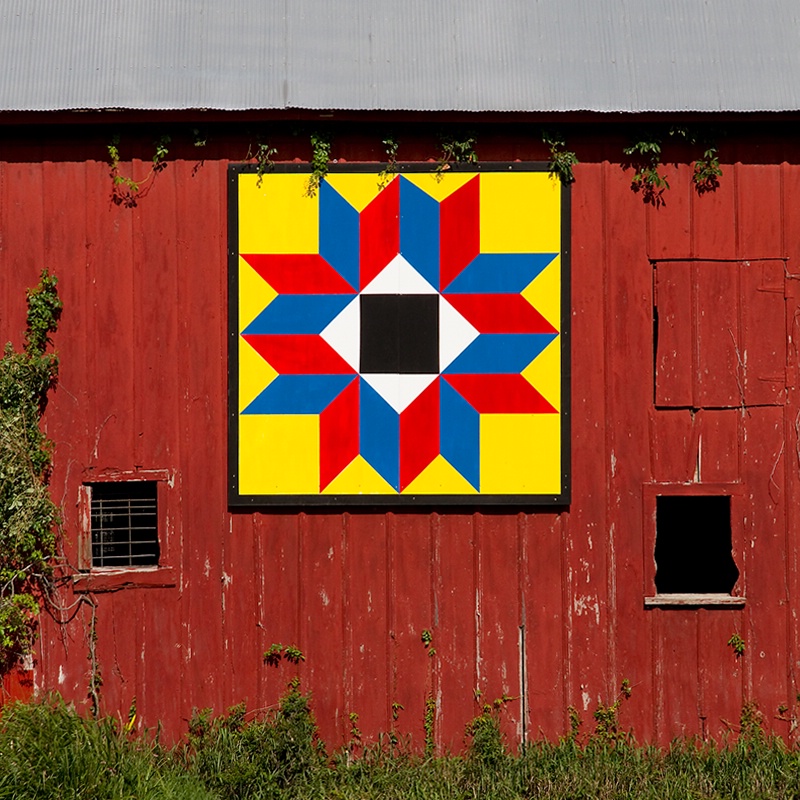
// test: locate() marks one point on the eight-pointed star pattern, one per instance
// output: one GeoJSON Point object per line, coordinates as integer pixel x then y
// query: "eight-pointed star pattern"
{"type": "Point", "coordinates": [399, 334]}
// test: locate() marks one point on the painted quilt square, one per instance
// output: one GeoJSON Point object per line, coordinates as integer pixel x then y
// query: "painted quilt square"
{"type": "Point", "coordinates": [398, 342]}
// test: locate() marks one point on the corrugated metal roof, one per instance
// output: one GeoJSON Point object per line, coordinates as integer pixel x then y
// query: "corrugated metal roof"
{"type": "Point", "coordinates": [440, 55]}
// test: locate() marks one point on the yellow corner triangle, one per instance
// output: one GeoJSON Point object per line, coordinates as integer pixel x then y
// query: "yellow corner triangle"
{"type": "Point", "coordinates": [359, 189]}
{"type": "Point", "coordinates": [439, 187]}
{"type": "Point", "coordinates": [358, 477]}
{"type": "Point", "coordinates": [544, 292]}
{"type": "Point", "coordinates": [255, 294]}
{"type": "Point", "coordinates": [544, 373]}
{"type": "Point", "coordinates": [255, 374]}
{"type": "Point", "coordinates": [439, 477]}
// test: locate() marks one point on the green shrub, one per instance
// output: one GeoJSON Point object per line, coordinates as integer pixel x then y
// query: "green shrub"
{"type": "Point", "coordinates": [28, 516]}
{"type": "Point", "coordinates": [262, 758]}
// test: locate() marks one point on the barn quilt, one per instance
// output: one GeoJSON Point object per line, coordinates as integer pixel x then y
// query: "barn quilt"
{"type": "Point", "coordinates": [398, 339]}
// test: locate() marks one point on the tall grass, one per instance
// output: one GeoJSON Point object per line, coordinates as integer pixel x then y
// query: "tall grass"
{"type": "Point", "coordinates": [48, 751]}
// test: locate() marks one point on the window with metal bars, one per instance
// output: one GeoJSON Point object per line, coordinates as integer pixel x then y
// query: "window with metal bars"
{"type": "Point", "coordinates": [124, 519]}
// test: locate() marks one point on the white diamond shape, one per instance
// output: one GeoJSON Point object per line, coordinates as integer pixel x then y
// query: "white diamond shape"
{"type": "Point", "coordinates": [343, 334]}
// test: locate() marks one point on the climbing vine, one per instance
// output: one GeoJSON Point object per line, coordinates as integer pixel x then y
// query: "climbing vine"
{"type": "Point", "coordinates": [648, 177]}
{"type": "Point", "coordinates": [262, 153]}
{"type": "Point", "coordinates": [125, 190]}
{"type": "Point", "coordinates": [646, 159]}
{"type": "Point", "coordinates": [28, 516]}
{"type": "Point", "coordinates": [387, 173]}
{"type": "Point", "coordinates": [561, 160]}
{"type": "Point", "coordinates": [455, 149]}
{"type": "Point", "coordinates": [320, 158]}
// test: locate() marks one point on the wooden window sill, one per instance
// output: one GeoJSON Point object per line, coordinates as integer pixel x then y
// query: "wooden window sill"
{"type": "Point", "coordinates": [112, 580]}
{"type": "Point", "coordinates": [694, 601]}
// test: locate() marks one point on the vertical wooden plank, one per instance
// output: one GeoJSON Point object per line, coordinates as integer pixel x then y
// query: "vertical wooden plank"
{"type": "Point", "coordinates": [201, 329]}
{"type": "Point", "coordinates": [763, 461]}
{"type": "Point", "coordinates": [241, 637]}
{"type": "Point", "coordinates": [498, 593]}
{"type": "Point", "coordinates": [676, 667]}
{"type": "Point", "coordinates": [111, 344]}
{"type": "Point", "coordinates": [411, 591]}
{"type": "Point", "coordinates": [121, 652]}
{"type": "Point", "coordinates": [457, 628]}
{"type": "Point", "coordinates": [63, 252]}
{"type": "Point", "coordinates": [23, 235]}
{"type": "Point", "coordinates": [673, 445]}
{"type": "Point", "coordinates": [719, 375]}
{"type": "Point", "coordinates": [278, 594]}
{"type": "Point", "coordinates": [718, 445]}
{"type": "Point", "coordinates": [156, 348]}
{"type": "Point", "coordinates": [629, 386]}
{"type": "Point", "coordinates": [669, 224]}
{"type": "Point", "coordinates": [66, 418]}
{"type": "Point", "coordinates": [674, 330]}
{"type": "Point", "coordinates": [544, 618]}
{"type": "Point", "coordinates": [721, 672]}
{"type": "Point", "coordinates": [156, 352]}
{"type": "Point", "coordinates": [764, 332]}
{"type": "Point", "coordinates": [759, 206]}
{"type": "Point", "coordinates": [714, 214]}
{"type": "Point", "coordinates": [366, 607]}
{"type": "Point", "coordinates": [791, 243]}
{"type": "Point", "coordinates": [585, 529]}
{"type": "Point", "coordinates": [326, 622]}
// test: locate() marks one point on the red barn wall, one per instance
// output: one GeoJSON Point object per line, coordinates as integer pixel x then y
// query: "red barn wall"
{"type": "Point", "coordinates": [545, 604]}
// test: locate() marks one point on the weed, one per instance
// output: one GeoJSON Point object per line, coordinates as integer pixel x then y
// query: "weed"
{"type": "Point", "coordinates": [707, 171]}
{"type": "Point", "coordinates": [607, 729]}
{"type": "Point", "coordinates": [648, 178]}
{"type": "Point", "coordinates": [737, 644]}
{"type": "Point", "coordinates": [125, 191]}
{"type": "Point", "coordinates": [262, 757]}
{"type": "Point", "coordinates": [387, 173]}
{"type": "Point", "coordinates": [49, 752]}
{"type": "Point", "coordinates": [428, 726]}
{"type": "Point", "coordinates": [320, 158]}
{"type": "Point", "coordinates": [561, 160]}
{"type": "Point", "coordinates": [455, 150]}
{"type": "Point", "coordinates": [264, 162]}
{"type": "Point", "coordinates": [288, 652]}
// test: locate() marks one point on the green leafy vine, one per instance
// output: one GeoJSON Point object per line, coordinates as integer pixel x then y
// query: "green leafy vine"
{"type": "Point", "coordinates": [648, 177]}
{"type": "Point", "coordinates": [288, 652]}
{"type": "Point", "coordinates": [125, 190]}
{"type": "Point", "coordinates": [737, 644]}
{"type": "Point", "coordinates": [320, 158]}
{"type": "Point", "coordinates": [455, 150]}
{"type": "Point", "coordinates": [390, 170]}
{"type": "Point", "coordinates": [28, 516]}
{"type": "Point", "coordinates": [561, 160]}
{"type": "Point", "coordinates": [646, 154]}
{"type": "Point", "coordinates": [263, 154]}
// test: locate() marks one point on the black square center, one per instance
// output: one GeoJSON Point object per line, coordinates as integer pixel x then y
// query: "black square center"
{"type": "Point", "coordinates": [400, 334]}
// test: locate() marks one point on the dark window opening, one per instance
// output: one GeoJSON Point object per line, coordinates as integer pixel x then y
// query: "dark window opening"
{"type": "Point", "coordinates": [693, 545]}
{"type": "Point", "coordinates": [124, 518]}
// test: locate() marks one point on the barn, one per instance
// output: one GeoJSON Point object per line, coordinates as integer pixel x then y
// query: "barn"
{"type": "Point", "coordinates": [430, 353]}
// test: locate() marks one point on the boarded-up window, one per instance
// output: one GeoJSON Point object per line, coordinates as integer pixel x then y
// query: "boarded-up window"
{"type": "Point", "coordinates": [720, 333]}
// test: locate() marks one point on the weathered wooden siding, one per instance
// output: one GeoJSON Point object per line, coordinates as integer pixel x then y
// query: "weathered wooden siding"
{"type": "Point", "coordinates": [548, 603]}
